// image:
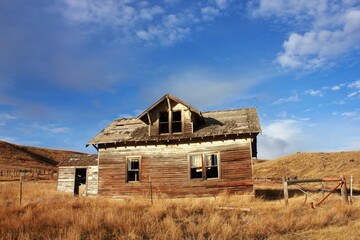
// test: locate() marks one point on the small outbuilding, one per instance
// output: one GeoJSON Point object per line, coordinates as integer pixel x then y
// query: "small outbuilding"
{"type": "Point", "coordinates": [79, 175]}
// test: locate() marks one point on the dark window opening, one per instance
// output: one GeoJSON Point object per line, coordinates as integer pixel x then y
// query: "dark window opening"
{"type": "Point", "coordinates": [80, 179]}
{"type": "Point", "coordinates": [164, 117]}
{"type": "Point", "coordinates": [133, 169]}
{"type": "Point", "coordinates": [164, 128]}
{"type": "Point", "coordinates": [176, 122]}
{"type": "Point", "coordinates": [164, 122]}
{"type": "Point", "coordinates": [196, 166]}
{"type": "Point", "coordinates": [212, 170]}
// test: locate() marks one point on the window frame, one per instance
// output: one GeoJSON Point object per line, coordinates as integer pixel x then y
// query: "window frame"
{"type": "Point", "coordinates": [127, 158]}
{"type": "Point", "coordinates": [170, 122]}
{"type": "Point", "coordinates": [204, 165]}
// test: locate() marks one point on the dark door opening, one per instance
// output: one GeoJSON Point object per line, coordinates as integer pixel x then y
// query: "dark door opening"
{"type": "Point", "coordinates": [80, 179]}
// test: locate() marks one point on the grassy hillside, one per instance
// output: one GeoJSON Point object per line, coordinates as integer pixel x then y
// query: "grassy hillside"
{"type": "Point", "coordinates": [311, 165]}
{"type": "Point", "coordinates": [23, 157]}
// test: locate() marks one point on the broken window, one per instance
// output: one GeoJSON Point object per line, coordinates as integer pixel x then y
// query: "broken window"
{"type": "Point", "coordinates": [164, 122]}
{"type": "Point", "coordinates": [204, 166]}
{"type": "Point", "coordinates": [133, 169]}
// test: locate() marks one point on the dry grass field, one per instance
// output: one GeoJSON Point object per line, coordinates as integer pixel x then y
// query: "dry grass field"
{"type": "Point", "coordinates": [46, 214]}
{"type": "Point", "coordinates": [312, 165]}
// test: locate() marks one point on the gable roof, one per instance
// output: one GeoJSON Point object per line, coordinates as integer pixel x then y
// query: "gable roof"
{"type": "Point", "coordinates": [216, 123]}
{"type": "Point", "coordinates": [167, 96]}
{"type": "Point", "coordinates": [80, 160]}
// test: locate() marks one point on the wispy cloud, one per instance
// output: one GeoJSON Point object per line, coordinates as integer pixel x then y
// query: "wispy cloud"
{"type": "Point", "coordinates": [331, 30]}
{"type": "Point", "coordinates": [52, 128]}
{"type": "Point", "coordinates": [289, 99]}
{"type": "Point", "coordinates": [144, 20]}
{"type": "Point", "coordinates": [5, 117]}
{"type": "Point", "coordinates": [314, 93]}
{"type": "Point", "coordinates": [349, 114]}
{"type": "Point", "coordinates": [356, 86]}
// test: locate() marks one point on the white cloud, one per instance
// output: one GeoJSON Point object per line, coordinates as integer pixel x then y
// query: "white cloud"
{"type": "Point", "coordinates": [222, 3]}
{"type": "Point", "coordinates": [145, 20]}
{"type": "Point", "coordinates": [289, 99]}
{"type": "Point", "coordinates": [349, 114]}
{"type": "Point", "coordinates": [332, 29]}
{"type": "Point", "coordinates": [209, 13]}
{"type": "Point", "coordinates": [356, 86]}
{"type": "Point", "coordinates": [335, 88]}
{"type": "Point", "coordinates": [314, 93]}
{"type": "Point", "coordinates": [149, 13]}
{"type": "Point", "coordinates": [280, 138]}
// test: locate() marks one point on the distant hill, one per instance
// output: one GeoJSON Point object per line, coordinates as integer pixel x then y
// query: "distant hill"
{"type": "Point", "coordinates": [311, 165]}
{"type": "Point", "coordinates": [14, 156]}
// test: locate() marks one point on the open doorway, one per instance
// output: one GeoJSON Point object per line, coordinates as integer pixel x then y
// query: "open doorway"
{"type": "Point", "coordinates": [80, 180]}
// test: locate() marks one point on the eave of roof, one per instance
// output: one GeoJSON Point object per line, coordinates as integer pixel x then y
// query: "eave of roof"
{"type": "Point", "coordinates": [80, 160]}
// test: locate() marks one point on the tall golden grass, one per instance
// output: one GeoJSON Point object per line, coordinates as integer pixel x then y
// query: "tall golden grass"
{"type": "Point", "coordinates": [46, 214]}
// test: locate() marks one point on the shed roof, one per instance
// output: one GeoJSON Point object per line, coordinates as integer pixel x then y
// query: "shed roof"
{"type": "Point", "coordinates": [80, 160]}
{"type": "Point", "coordinates": [217, 123]}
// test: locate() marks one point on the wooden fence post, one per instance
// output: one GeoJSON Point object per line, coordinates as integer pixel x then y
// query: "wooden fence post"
{"type": "Point", "coordinates": [286, 192]}
{"type": "Point", "coordinates": [151, 196]}
{"type": "Point", "coordinates": [20, 189]}
{"type": "Point", "coordinates": [344, 194]}
{"type": "Point", "coordinates": [351, 188]}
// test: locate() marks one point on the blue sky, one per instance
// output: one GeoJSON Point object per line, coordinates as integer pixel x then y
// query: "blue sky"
{"type": "Point", "coordinates": [68, 68]}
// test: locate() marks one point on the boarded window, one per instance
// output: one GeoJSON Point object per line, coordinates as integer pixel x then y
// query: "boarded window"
{"type": "Point", "coordinates": [204, 166]}
{"type": "Point", "coordinates": [133, 169]}
{"type": "Point", "coordinates": [164, 122]}
{"type": "Point", "coordinates": [176, 122]}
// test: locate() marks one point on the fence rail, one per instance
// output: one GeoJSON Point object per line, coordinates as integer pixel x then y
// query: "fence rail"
{"type": "Point", "coordinates": [37, 172]}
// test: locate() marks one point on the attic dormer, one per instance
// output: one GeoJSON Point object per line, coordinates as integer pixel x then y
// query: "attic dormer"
{"type": "Point", "coordinates": [169, 115]}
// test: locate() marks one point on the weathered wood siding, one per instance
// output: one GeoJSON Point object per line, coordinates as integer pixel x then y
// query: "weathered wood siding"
{"type": "Point", "coordinates": [66, 179]}
{"type": "Point", "coordinates": [92, 180]}
{"type": "Point", "coordinates": [168, 168]}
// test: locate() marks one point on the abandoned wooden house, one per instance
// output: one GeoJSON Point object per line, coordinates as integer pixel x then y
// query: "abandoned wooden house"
{"type": "Point", "coordinates": [79, 175]}
{"type": "Point", "coordinates": [172, 149]}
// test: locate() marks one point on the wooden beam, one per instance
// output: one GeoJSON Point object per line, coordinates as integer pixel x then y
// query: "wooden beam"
{"type": "Point", "coordinates": [149, 118]}
{"type": "Point", "coordinates": [94, 145]}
